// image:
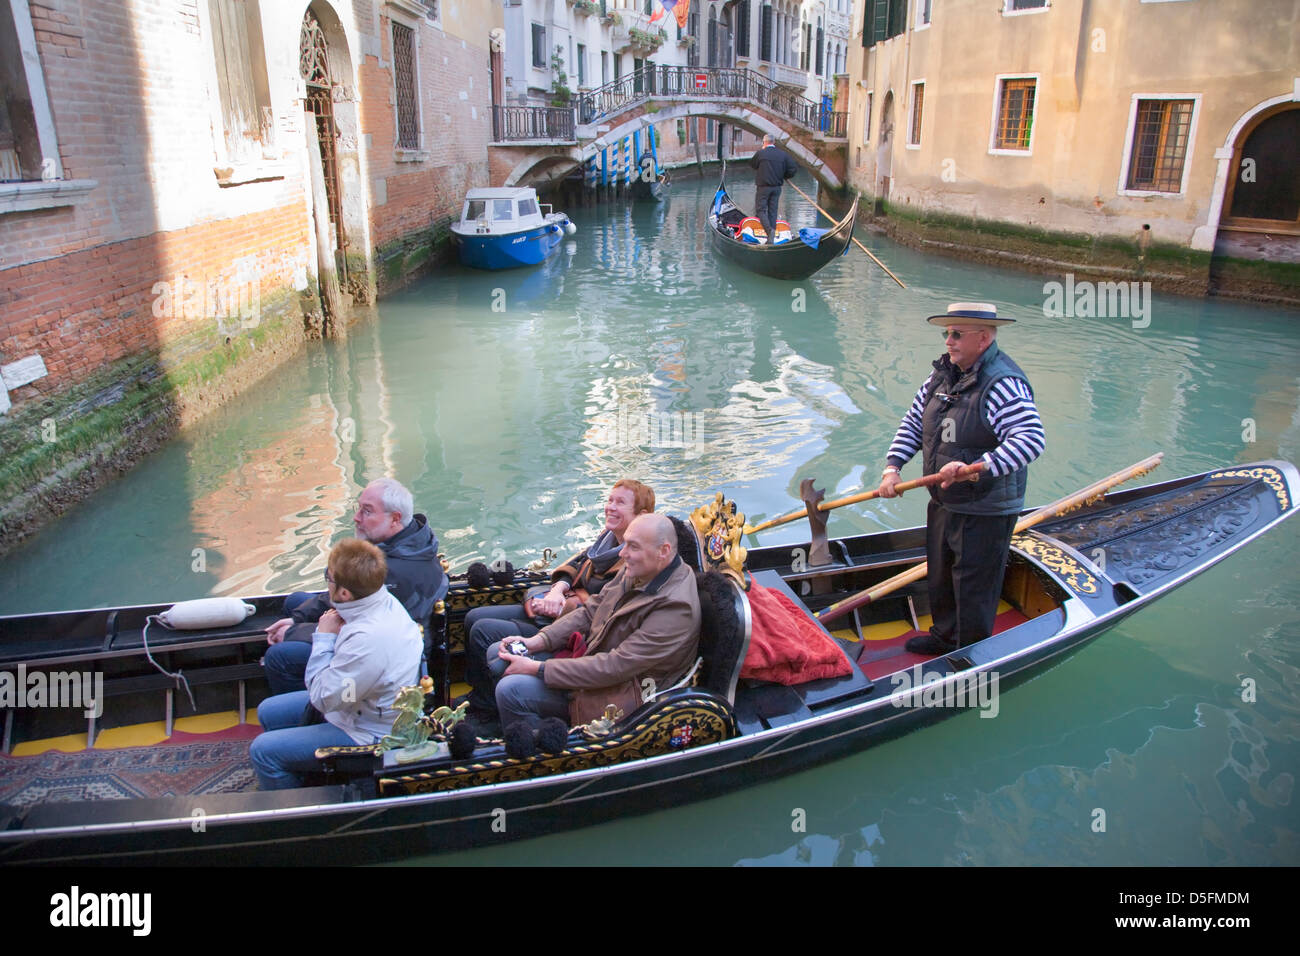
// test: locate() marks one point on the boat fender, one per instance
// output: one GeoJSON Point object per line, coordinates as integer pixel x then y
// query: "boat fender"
{"type": "Point", "coordinates": [569, 227]}
{"type": "Point", "coordinates": [206, 612]}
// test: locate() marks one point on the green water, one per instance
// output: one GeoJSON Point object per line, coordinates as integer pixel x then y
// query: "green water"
{"type": "Point", "coordinates": [510, 402]}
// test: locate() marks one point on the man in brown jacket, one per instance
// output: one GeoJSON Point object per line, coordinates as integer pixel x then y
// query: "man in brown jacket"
{"type": "Point", "coordinates": [643, 624]}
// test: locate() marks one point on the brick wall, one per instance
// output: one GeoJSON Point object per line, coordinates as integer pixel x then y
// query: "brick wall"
{"type": "Point", "coordinates": [85, 309]}
{"type": "Point", "coordinates": [456, 127]}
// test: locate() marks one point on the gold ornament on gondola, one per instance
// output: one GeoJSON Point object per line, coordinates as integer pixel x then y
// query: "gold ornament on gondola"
{"type": "Point", "coordinates": [719, 527]}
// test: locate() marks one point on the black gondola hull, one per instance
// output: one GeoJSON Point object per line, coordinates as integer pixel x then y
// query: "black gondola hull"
{"type": "Point", "coordinates": [790, 260]}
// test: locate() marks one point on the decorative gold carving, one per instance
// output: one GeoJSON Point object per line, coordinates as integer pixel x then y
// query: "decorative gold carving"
{"type": "Point", "coordinates": [1065, 567]}
{"type": "Point", "coordinates": [719, 527]}
{"type": "Point", "coordinates": [687, 723]}
{"type": "Point", "coordinates": [1270, 476]}
{"type": "Point", "coordinates": [544, 562]}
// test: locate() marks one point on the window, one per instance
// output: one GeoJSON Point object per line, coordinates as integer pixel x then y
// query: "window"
{"type": "Point", "coordinates": [866, 120]}
{"type": "Point", "coordinates": [539, 46]}
{"type": "Point", "coordinates": [408, 122]}
{"type": "Point", "coordinates": [883, 19]}
{"type": "Point", "coordinates": [922, 14]}
{"type": "Point", "coordinates": [582, 64]}
{"type": "Point", "coordinates": [765, 33]}
{"type": "Point", "coordinates": [1013, 124]}
{"type": "Point", "coordinates": [709, 128]}
{"type": "Point", "coordinates": [527, 207]}
{"type": "Point", "coordinates": [742, 28]}
{"type": "Point", "coordinates": [28, 151]}
{"type": "Point", "coordinates": [246, 117]}
{"type": "Point", "coordinates": [1023, 6]}
{"type": "Point", "coordinates": [1160, 133]}
{"type": "Point", "coordinates": [681, 132]}
{"type": "Point", "coordinates": [502, 209]}
{"type": "Point", "coordinates": [914, 127]}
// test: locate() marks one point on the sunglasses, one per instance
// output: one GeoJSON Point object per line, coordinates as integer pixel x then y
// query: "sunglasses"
{"type": "Point", "coordinates": [956, 334]}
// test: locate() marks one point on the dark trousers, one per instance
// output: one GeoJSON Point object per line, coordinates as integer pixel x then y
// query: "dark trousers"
{"type": "Point", "coordinates": [967, 557]}
{"type": "Point", "coordinates": [486, 626]}
{"type": "Point", "coordinates": [767, 197]}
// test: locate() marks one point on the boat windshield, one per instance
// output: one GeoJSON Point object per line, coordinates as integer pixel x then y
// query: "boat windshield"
{"type": "Point", "coordinates": [527, 207]}
{"type": "Point", "coordinates": [474, 209]}
{"type": "Point", "coordinates": [503, 209]}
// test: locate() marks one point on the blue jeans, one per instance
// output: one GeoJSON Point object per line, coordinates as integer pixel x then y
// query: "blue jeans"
{"type": "Point", "coordinates": [286, 663]}
{"type": "Point", "coordinates": [284, 747]}
{"type": "Point", "coordinates": [484, 627]}
{"type": "Point", "coordinates": [519, 695]}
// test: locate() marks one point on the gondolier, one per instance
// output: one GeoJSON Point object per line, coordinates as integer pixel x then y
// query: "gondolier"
{"type": "Point", "coordinates": [774, 167]}
{"type": "Point", "coordinates": [976, 406]}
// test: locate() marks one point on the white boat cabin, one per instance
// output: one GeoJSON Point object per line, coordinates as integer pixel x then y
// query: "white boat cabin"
{"type": "Point", "coordinates": [501, 210]}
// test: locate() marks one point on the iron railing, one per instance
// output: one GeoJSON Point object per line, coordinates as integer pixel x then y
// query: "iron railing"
{"type": "Point", "coordinates": [532, 122]}
{"type": "Point", "coordinates": [709, 83]}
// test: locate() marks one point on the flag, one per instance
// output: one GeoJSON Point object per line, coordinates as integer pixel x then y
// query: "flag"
{"type": "Point", "coordinates": [661, 7]}
{"type": "Point", "coordinates": [683, 9]}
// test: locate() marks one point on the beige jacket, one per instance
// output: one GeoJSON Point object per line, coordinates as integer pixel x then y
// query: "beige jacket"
{"type": "Point", "coordinates": [631, 632]}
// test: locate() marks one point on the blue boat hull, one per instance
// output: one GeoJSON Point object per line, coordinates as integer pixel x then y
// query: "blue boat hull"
{"type": "Point", "coordinates": [510, 251]}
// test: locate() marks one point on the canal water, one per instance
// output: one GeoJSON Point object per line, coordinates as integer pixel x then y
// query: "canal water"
{"type": "Point", "coordinates": [510, 403]}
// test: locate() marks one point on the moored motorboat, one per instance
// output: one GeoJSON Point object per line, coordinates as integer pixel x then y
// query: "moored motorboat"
{"type": "Point", "coordinates": [507, 228]}
{"type": "Point", "coordinates": [804, 253]}
{"type": "Point", "coordinates": [724, 732]}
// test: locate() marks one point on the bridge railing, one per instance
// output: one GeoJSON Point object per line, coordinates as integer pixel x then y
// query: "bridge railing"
{"type": "Point", "coordinates": [532, 122]}
{"type": "Point", "coordinates": [709, 83]}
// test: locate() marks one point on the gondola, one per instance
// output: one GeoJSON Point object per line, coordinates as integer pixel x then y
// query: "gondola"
{"type": "Point", "coordinates": [806, 252]}
{"type": "Point", "coordinates": [724, 732]}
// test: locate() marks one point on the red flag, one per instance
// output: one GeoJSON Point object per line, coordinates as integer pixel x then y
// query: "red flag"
{"type": "Point", "coordinates": [682, 8]}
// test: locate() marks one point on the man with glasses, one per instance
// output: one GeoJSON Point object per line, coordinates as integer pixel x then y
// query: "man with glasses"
{"type": "Point", "coordinates": [976, 406]}
{"type": "Point", "coordinates": [365, 648]}
{"type": "Point", "coordinates": [385, 517]}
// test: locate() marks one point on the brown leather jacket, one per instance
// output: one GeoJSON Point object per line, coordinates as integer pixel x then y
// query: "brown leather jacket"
{"type": "Point", "coordinates": [631, 632]}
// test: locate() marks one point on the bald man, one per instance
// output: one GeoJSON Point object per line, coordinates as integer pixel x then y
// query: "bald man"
{"type": "Point", "coordinates": [643, 624]}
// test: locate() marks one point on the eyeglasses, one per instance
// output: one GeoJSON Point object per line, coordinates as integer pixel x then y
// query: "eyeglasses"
{"type": "Point", "coordinates": [956, 334]}
{"type": "Point", "coordinates": [329, 578]}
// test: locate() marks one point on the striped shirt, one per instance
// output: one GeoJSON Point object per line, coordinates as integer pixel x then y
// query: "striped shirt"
{"type": "Point", "coordinates": [1009, 410]}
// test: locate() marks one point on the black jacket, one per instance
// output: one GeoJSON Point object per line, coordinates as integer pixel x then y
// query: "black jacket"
{"type": "Point", "coordinates": [774, 166]}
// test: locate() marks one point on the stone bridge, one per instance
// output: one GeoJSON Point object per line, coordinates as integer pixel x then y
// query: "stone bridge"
{"type": "Point", "coordinates": [665, 94]}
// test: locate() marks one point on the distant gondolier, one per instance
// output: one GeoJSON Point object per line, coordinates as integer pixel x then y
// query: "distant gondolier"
{"type": "Point", "coordinates": [976, 406]}
{"type": "Point", "coordinates": [774, 167]}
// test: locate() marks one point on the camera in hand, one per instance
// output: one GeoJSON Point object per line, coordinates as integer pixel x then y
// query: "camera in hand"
{"type": "Point", "coordinates": [518, 648]}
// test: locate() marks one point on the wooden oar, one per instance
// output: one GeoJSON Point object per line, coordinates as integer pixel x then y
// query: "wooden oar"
{"type": "Point", "coordinates": [902, 486]}
{"type": "Point", "coordinates": [1056, 508]}
{"type": "Point", "coordinates": [851, 236]}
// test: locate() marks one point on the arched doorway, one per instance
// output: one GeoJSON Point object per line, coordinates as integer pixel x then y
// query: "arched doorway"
{"type": "Point", "coordinates": [341, 224]}
{"type": "Point", "coordinates": [1264, 189]}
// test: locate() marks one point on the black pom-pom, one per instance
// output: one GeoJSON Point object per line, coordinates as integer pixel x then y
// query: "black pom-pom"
{"type": "Point", "coordinates": [478, 575]}
{"type": "Point", "coordinates": [462, 741]}
{"type": "Point", "coordinates": [505, 576]}
{"type": "Point", "coordinates": [521, 742]}
{"type": "Point", "coordinates": [552, 736]}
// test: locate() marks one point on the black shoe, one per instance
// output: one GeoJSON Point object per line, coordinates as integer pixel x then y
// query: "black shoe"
{"type": "Point", "coordinates": [930, 644]}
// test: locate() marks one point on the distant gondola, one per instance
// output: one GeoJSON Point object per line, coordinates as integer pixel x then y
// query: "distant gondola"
{"type": "Point", "coordinates": [797, 258]}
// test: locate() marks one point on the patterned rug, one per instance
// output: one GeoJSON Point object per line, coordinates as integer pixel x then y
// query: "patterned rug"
{"type": "Point", "coordinates": [186, 764]}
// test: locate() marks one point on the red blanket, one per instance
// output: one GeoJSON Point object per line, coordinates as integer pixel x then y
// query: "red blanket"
{"type": "Point", "coordinates": [787, 647]}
